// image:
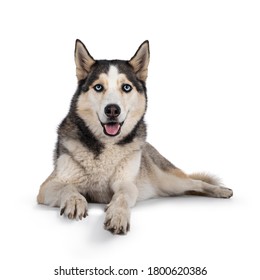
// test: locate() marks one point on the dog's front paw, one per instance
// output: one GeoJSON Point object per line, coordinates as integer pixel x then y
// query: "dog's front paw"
{"type": "Point", "coordinates": [74, 207]}
{"type": "Point", "coordinates": [117, 219]}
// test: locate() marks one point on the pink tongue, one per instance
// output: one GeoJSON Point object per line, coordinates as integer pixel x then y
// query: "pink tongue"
{"type": "Point", "coordinates": [112, 129]}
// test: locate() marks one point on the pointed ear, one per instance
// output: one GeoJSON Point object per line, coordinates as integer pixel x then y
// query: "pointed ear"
{"type": "Point", "coordinates": [140, 61]}
{"type": "Point", "coordinates": [83, 60]}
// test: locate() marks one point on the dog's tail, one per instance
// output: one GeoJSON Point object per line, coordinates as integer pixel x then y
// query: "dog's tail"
{"type": "Point", "coordinates": [207, 178]}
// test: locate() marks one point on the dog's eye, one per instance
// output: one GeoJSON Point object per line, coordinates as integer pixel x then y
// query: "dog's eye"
{"type": "Point", "coordinates": [126, 88]}
{"type": "Point", "coordinates": [98, 87]}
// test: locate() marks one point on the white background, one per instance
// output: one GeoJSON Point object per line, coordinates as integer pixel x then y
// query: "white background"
{"type": "Point", "coordinates": [203, 115]}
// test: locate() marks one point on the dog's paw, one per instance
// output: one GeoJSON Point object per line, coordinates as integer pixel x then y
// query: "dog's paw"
{"type": "Point", "coordinates": [224, 192]}
{"type": "Point", "coordinates": [117, 220]}
{"type": "Point", "coordinates": [74, 207]}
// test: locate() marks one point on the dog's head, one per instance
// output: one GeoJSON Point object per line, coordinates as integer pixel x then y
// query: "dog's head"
{"type": "Point", "coordinates": [112, 94]}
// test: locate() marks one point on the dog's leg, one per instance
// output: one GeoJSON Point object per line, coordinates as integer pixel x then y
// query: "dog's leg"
{"type": "Point", "coordinates": [55, 193]}
{"type": "Point", "coordinates": [176, 182]}
{"type": "Point", "coordinates": [158, 177]}
{"type": "Point", "coordinates": [125, 195]}
{"type": "Point", "coordinates": [118, 210]}
{"type": "Point", "coordinates": [208, 185]}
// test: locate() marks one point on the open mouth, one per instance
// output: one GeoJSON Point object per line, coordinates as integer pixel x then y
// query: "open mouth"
{"type": "Point", "coordinates": [112, 128]}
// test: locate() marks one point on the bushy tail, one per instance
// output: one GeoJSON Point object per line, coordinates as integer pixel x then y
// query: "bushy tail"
{"type": "Point", "coordinates": [207, 178]}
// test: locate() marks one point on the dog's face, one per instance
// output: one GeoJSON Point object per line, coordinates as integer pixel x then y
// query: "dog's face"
{"type": "Point", "coordinates": [112, 99]}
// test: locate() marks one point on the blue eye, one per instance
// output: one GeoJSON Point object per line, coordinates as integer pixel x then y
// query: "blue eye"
{"type": "Point", "coordinates": [98, 87]}
{"type": "Point", "coordinates": [126, 88]}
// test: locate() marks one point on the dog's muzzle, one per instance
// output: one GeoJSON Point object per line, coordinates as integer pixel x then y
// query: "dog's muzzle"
{"type": "Point", "coordinates": [112, 127]}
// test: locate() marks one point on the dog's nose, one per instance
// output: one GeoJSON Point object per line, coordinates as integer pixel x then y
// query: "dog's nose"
{"type": "Point", "coordinates": [112, 110]}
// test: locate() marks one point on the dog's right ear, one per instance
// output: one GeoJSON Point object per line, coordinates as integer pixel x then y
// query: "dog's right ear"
{"type": "Point", "coordinates": [83, 60]}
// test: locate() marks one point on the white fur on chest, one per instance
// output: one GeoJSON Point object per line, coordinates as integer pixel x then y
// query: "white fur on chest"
{"type": "Point", "coordinates": [95, 174]}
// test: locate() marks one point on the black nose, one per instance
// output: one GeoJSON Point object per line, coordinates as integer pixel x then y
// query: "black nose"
{"type": "Point", "coordinates": [112, 110]}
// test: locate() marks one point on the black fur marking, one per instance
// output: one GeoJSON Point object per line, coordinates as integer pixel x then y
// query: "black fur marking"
{"type": "Point", "coordinates": [125, 68]}
{"type": "Point", "coordinates": [62, 210]}
{"type": "Point", "coordinates": [139, 131]}
{"type": "Point", "coordinates": [87, 137]}
{"type": "Point", "coordinates": [102, 66]}
{"type": "Point", "coordinates": [57, 151]}
{"type": "Point", "coordinates": [74, 127]}
{"type": "Point", "coordinates": [192, 192]}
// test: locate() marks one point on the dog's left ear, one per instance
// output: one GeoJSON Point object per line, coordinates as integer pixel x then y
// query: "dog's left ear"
{"type": "Point", "coordinates": [83, 60]}
{"type": "Point", "coordinates": [140, 61]}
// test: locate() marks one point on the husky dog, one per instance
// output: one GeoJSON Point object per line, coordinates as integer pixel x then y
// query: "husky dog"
{"type": "Point", "coordinates": [102, 155]}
